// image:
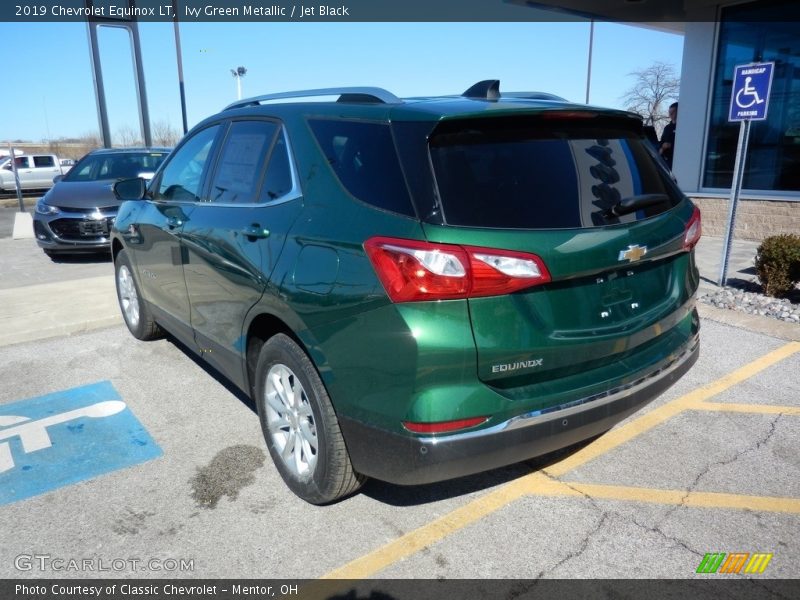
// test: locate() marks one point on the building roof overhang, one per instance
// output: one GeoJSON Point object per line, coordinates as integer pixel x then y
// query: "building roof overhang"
{"type": "Point", "coordinates": [664, 15]}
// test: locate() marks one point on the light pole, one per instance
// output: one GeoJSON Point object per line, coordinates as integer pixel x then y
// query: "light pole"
{"type": "Point", "coordinates": [238, 73]}
{"type": "Point", "coordinates": [589, 66]}
{"type": "Point", "coordinates": [180, 63]}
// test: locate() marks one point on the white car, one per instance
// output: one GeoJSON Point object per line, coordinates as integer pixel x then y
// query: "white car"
{"type": "Point", "coordinates": [35, 171]}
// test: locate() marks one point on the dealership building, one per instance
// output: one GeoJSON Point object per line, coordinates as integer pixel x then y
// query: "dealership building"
{"type": "Point", "coordinates": [718, 35]}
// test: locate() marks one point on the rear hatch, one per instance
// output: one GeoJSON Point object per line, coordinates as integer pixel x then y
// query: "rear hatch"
{"type": "Point", "coordinates": [588, 195]}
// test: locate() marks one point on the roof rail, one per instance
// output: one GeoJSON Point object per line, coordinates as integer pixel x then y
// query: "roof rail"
{"type": "Point", "coordinates": [533, 96]}
{"type": "Point", "coordinates": [484, 90]}
{"type": "Point", "coordinates": [346, 94]}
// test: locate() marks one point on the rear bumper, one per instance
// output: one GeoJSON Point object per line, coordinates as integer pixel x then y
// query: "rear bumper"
{"type": "Point", "coordinates": [409, 460]}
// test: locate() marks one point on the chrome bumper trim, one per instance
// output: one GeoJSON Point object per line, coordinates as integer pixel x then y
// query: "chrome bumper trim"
{"type": "Point", "coordinates": [570, 408]}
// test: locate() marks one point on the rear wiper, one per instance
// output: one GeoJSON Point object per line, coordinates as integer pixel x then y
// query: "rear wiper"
{"type": "Point", "coordinates": [634, 203]}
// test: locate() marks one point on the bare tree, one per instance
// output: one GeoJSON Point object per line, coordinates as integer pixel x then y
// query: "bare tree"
{"type": "Point", "coordinates": [90, 139]}
{"type": "Point", "coordinates": [656, 87]}
{"type": "Point", "coordinates": [164, 134]}
{"type": "Point", "coordinates": [127, 136]}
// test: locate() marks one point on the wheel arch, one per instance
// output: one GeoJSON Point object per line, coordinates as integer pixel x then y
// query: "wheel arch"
{"type": "Point", "coordinates": [264, 325]}
{"type": "Point", "coordinates": [116, 248]}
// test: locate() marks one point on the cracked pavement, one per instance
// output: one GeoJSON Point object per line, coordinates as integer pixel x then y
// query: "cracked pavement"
{"type": "Point", "coordinates": [535, 526]}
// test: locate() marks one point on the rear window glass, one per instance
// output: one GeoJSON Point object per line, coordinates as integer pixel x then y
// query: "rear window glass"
{"type": "Point", "coordinates": [241, 162]}
{"type": "Point", "coordinates": [546, 174]}
{"type": "Point", "coordinates": [278, 179]}
{"type": "Point", "coordinates": [363, 157]}
{"type": "Point", "coordinates": [44, 161]}
{"type": "Point", "coordinates": [115, 165]}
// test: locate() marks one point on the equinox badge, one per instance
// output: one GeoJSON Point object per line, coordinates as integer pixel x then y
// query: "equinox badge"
{"type": "Point", "coordinates": [633, 253]}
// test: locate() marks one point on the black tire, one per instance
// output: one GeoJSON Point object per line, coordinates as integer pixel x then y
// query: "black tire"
{"type": "Point", "coordinates": [332, 476]}
{"type": "Point", "coordinates": [144, 327]}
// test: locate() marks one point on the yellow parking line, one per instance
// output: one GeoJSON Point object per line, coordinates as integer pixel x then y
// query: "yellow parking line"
{"type": "Point", "coordinates": [426, 535]}
{"type": "Point", "coordinates": [762, 409]}
{"type": "Point", "coordinates": [774, 504]}
{"type": "Point", "coordinates": [655, 417]}
{"type": "Point", "coordinates": [541, 483]}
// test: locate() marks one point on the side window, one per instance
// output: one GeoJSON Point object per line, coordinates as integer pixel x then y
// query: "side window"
{"type": "Point", "coordinates": [278, 180]}
{"type": "Point", "coordinates": [363, 157]}
{"type": "Point", "coordinates": [85, 171]}
{"type": "Point", "coordinates": [44, 161]}
{"type": "Point", "coordinates": [182, 177]}
{"type": "Point", "coordinates": [22, 162]}
{"type": "Point", "coordinates": [105, 169]}
{"type": "Point", "coordinates": [241, 162]}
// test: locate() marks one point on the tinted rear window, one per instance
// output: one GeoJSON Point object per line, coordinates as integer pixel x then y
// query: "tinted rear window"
{"type": "Point", "coordinates": [544, 174]}
{"type": "Point", "coordinates": [113, 165]}
{"type": "Point", "coordinates": [363, 156]}
{"type": "Point", "coordinates": [44, 161]}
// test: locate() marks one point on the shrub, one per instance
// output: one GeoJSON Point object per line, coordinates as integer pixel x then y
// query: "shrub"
{"type": "Point", "coordinates": [778, 263]}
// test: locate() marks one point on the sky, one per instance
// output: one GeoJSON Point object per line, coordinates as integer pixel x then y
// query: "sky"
{"type": "Point", "coordinates": [47, 90]}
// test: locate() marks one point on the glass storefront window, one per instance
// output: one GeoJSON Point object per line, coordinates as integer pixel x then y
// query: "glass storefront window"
{"type": "Point", "coordinates": [766, 31]}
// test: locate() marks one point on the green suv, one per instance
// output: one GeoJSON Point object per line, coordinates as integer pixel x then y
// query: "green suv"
{"type": "Point", "coordinates": [417, 289]}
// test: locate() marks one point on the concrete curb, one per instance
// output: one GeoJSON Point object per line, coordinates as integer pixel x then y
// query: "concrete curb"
{"type": "Point", "coordinates": [755, 323]}
{"type": "Point", "coordinates": [60, 331]}
{"type": "Point", "coordinates": [48, 310]}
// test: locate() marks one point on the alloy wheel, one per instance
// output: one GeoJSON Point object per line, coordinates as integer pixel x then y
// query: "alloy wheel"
{"type": "Point", "coordinates": [290, 421]}
{"type": "Point", "coordinates": [128, 298]}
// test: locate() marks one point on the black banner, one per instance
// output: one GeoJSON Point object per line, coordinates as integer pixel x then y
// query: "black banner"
{"type": "Point", "coordinates": [189, 11]}
{"type": "Point", "coordinates": [398, 589]}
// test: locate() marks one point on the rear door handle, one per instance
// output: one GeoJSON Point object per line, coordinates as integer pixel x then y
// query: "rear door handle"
{"type": "Point", "coordinates": [255, 231]}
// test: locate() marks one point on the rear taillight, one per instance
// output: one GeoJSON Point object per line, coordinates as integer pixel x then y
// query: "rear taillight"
{"type": "Point", "coordinates": [413, 271]}
{"type": "Point", "coordinates": [444, 426]}
{"type": "Point", "coordinates": [693, 230]}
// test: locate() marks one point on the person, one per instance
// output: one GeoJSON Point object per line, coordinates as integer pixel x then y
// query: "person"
{"type": "Point", "coordinates": [666, 147]}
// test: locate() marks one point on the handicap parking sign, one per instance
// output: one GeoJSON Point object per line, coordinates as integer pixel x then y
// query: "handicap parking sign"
{"type": "Point", "coordinates": [62, 438]}
{"type": "Point", "coordinates": [750, 94]}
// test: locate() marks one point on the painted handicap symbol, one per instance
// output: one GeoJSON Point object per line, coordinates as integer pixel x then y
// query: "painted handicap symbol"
{"type": "Point", "coordinates": [66, 437]}
{"type": "Point", "coordinates": [33, 434]}
{"type": "Point", "coordinates": [750, 92]}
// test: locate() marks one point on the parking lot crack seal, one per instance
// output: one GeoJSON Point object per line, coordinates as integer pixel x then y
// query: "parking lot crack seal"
{"type": "Point", "coordinates": [584, 544]}
{"type": "Point", "coordinates": [722, 463]}
{"type": "Point", "coordinates": [657, 530]}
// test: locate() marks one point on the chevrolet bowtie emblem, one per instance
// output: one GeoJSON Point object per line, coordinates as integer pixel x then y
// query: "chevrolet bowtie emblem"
{"type": "Point", "coordinates": [633, 253]}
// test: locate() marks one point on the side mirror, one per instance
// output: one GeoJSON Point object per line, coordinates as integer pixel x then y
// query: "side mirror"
{"type": "Point", "coordinates": [130, 189]}
{"type": "Point", "coordinates": [57, 178]}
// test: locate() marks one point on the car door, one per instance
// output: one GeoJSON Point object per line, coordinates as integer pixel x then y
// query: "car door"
{"type": "Point", "coordinates": [159, 256]}
{"type": "Point", "coordinates": [44, 170]}
{"type": "Point", "coordinates": [25, 172]}
{"type": "Point", "coordinates": [235, 238]}
{"type": "Point", "coordinates": [6, 175]}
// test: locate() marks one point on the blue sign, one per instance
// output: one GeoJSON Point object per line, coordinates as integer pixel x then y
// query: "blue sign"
{"type": "Point", "coordinates": [66, 437]}
{"type": "Point", "coordinates": [750, 95]}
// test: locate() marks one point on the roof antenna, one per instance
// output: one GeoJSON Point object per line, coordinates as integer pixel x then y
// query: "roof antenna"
{"type": "Point", "coordinates": [484, 90]}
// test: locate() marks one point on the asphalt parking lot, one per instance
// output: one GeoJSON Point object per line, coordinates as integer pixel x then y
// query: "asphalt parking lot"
{"type": "Point", "coordinates": [711, 466]}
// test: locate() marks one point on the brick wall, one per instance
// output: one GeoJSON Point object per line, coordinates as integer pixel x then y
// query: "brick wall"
{"type": "Point", "coordinates": [755, 219]}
